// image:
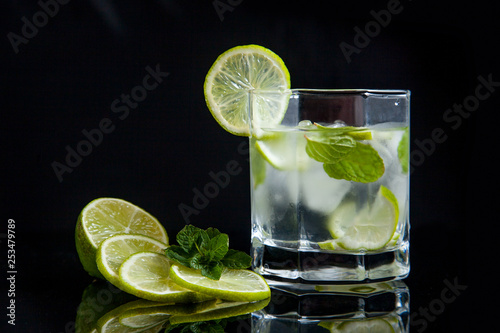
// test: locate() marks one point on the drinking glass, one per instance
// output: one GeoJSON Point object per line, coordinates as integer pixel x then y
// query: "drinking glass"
{"type": "Point", "coordinates": [330, 185]}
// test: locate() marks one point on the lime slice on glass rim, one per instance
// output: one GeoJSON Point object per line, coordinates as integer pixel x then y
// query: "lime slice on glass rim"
{"type": "Point", "coordinates": [371, 228]}
{"type": "Point", "coordinates": [146, 275]}
{"type": "Point", "coordinates": [234, 284]}
{"type": "Point", "coordinates": [105, 217]}
{"type": "Point", "coordinates": [233, 75]}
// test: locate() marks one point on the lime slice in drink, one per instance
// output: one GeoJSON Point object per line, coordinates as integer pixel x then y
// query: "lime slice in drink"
{"type": "Point", "coordinates": [105, 217]}
{"type": "Point", "coordinates": [284, 150]}
{"type": "Point", "coordinates": [370, 228]}
{"type": "Point", "coordinates": [146, 275]}
{"type": "Point", "coordinates": [113, 251]}
{"type": "Point", "coordinates": [234, 284]}
{"type": "Point", "coordinates": [233, 75]}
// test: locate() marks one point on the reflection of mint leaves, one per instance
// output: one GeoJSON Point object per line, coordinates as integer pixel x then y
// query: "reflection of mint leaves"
{"type": "Point", "coordinates": [206, 250]}
{"type": "Point", "coordinates": [343, 156]}
{"type": "Point", "coordinates": [403, 150]}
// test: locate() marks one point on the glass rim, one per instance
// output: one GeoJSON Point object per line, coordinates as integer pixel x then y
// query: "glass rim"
{"type": "Point", "coordinates": [347, 91]}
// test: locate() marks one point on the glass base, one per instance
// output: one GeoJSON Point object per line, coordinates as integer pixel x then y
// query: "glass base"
{"type": "Point", "coordinates": [324, 266]}
{"type": "Point", "coordinates": [375, 307]}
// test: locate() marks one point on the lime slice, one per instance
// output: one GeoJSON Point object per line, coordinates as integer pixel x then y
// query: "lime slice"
{"type": "Point", "coordinates": [284, 150]}
{"type": "Point", "coordinates": [375, 325]}
{"type": "Point", "coordinates": [233, 75]}
{"type": "Point", "coordinates": [105, 217]}
{"type": "Point", "coordinates": [234, 284]}
{"type": "Point", "coordinates": [221, 310]}
{"type": "Point", "coordinates": [146, 275]}
{"type": "Point", "coordinates": [114, 250]}
{"type": "Point", "coordinates": [371, 228]}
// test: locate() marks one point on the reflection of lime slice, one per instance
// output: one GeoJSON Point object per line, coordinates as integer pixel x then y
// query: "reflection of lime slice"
{"type": "Point", "coordinates": [375, 325]}
{"type": "Point", "coordinates": [114, 250]}
{"type": "Point", "coordinates": [369, 229]}
{"type": "Point", "coordinates": [233, 285]}
{"type": "Point", "coordinates": [105, 217]}
{"type": "Point", "coordinates": [146, 275]}
{"type": "Point", "coordinates": [221, 310]}
{"type": "Point", "coordinates": [110, 322]}
{"type": "Point", "coordinates": [238, 71]}
{"type": "Point", "coordinates": [284, 150]}
{"type": "Point", "coordinates": [98, 298]}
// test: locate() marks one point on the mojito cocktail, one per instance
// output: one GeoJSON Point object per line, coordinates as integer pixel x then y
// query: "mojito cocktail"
{"type": "Point", "coordinates": [330, 186]}
{"type": "Point", "coordinates": [329, 170]}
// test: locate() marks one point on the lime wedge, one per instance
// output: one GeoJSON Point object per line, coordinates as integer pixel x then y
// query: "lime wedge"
{"type": "Point", "coordinates": [371, 228]}
{"type": "Point", "coordinates": [234, 284]}
{"type": "Point", "coordinates": [105, 217]}
{"type": "Point", "coordinates": [233, 75]}
{"type": "Point", "coordinates": [146, 275]}
{"type": "Point", "coordinates": [113, 251]}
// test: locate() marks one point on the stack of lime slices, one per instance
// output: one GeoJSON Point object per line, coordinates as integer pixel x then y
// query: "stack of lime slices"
{"type": "Point", "coordinates": [124, 244]}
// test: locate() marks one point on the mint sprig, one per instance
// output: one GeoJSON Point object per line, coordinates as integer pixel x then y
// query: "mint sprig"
{"type": "Point", "coordinates": [343, 156]}
{"type": "Point", "coordinates": [206, 250]}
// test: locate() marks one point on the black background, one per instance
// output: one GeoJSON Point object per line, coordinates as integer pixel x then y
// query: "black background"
{"type": "Point", "coordinates": [64, 79]}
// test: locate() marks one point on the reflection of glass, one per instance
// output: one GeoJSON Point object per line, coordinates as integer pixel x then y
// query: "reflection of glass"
{"type": "Point", "coordinates": [330, 185]}
{"type": "Point", "coordinates": [105, 308]}
{"type": "Point", "coordinates": [377, 307]}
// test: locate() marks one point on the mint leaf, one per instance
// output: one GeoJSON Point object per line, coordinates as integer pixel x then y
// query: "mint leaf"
{"type": "Point", "coordinates": [177, 254]}
{"type": "Point", "coordinates": [207, 251]}
{"type": "Point", "coordinates": [218, 246]}
{"type": "Point", "coordinates": [236, 259]}
{"type": "Point", "coordinates": [329, 149]}
{"type": "Point", "coordinates": [212, 270]}
{"type": "Point", "coordinates": [188, 236]}
{"type": "Point", "coordinates": [363, 165]}
{"type": "Point", "coordinates": [403, 150]}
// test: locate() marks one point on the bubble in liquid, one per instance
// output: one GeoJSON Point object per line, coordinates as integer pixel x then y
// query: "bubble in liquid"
{"type": "Point", "coordinates": [305, 124]}
{"type": "Point", "coordinates": [338, 123]}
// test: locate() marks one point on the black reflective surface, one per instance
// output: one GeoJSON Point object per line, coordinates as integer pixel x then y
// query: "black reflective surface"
{"type": "Point", "coordinates": [105, 98]}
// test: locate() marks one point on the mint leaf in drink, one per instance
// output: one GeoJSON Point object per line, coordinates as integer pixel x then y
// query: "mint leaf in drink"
{"type": "Point", "coordinates": [206, 250]}
{"type": "Point", "coordinates": [344, 157]}
{"type": "Point", "coordinates": [329, 149]}
{"type": "Point", "coordinates": [403, 150]}
{"type": "Point", "coordinates": [363, 165]}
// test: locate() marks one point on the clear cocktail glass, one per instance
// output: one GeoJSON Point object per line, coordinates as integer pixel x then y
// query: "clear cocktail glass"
{"type": "Point", "coordinates": [330, 186]}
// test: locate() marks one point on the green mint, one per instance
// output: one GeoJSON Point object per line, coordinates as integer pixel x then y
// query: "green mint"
{"type": "Point", "coordinates": [206, 250]}
{"type": "Point", "coordinates": [362, 165]}
{"type": "Point", "coordinates": [403, 150]}
{"type": "Point", "coordinates": [343, 156]}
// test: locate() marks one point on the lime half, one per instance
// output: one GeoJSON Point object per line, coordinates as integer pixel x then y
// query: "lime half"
{"type": "Point", "coordinates": [233, 75]}
{"type": "Point", "coordinates": [234, 284]}
{"type": "Point", "coordinates": [105, 217]}
{"type": "Point", "coordinates": [114, 250]}
{"type": "Point", "coordinates": [370, 228]}
{"type": "Point", "coordinates": [146, 275]}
